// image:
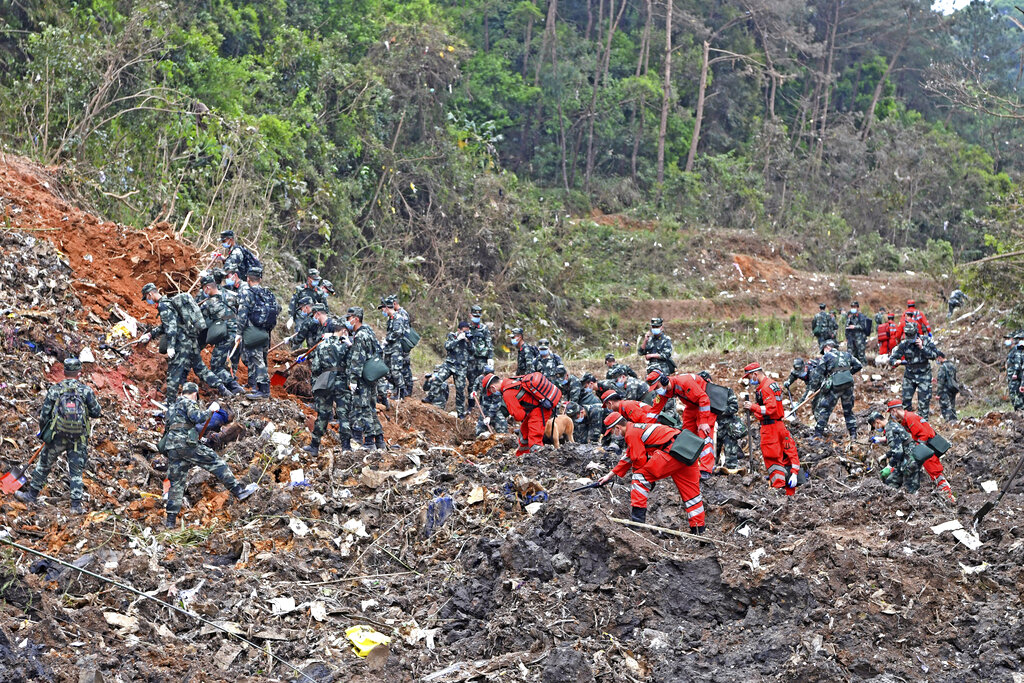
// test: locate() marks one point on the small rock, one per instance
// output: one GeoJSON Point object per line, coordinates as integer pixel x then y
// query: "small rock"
{"type": "Point", "coordinates": [561, 563]}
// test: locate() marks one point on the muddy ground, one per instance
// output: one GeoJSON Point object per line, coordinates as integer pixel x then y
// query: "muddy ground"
{"type": "Point", "coordinates": [844, 581]}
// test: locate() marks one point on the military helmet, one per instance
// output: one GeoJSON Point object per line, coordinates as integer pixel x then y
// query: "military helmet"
{"type": "Point", "coordinates": [190, 388]}
{"type": "Point", "coordinates": [319, 307]}
{"type": "Point", "coordinates": [72, 365]}
{"type": "Point", "coordinates": [354, 311]}
{"type": "Point", "coordinates": [255, 273]}
{"type": "Point", "coordinates": [147, 288]}
{"type": "Point", "coordinates": [207, 280]}
{"type": "Point", "coordinates": [572, 409]}
{"type": "Point", "coordinates": [874, 416]}
{"type": "Point", "coordinates": [799, 364]}
{"type": "Point", "coordinates": [227, 234]}
{"type": "Point", "coordinates": [476, 309]}
{"type": "Point", "coordinates": [657, 322]}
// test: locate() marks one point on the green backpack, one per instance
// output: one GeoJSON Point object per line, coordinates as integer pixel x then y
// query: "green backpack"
{"type": "Point", "coordinates": [189, 314]}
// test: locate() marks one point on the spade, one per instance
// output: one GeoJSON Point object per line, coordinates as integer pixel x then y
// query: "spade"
{"type": "Point", "coordinates": [15, 479]}
{"type": "Point", "coordinates": [987, 507]}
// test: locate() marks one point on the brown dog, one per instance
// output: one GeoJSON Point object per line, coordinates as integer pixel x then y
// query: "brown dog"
{"type": "Point", "coordinates": [557, 428]}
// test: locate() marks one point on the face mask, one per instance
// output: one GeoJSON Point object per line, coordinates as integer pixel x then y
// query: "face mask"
{"type": "Point", "coordinates": [384, 314]}
{"type": "Point", "coordinates": [150, 301]}
{"type": "Point", "coordinates": [579, 420]}
{"type": "Point", "coordinates": [655, 331]}
{"type": "Point", "coordinates": [349, 326]}
{"type": "Point", "coordinates": [225, 245]}
{"type": "Point", "coordinates": [853, 311]}
{"type": "Point", "coordinates": [545, 352]}
{"type": "Point", "coordinates": [475, 318]}
{"type": "Point", "coordinates": [661, 391]}
{"type": "Point", "coordinates": [303, 314]}
{"type": "Point", "coordinates": [621, 381]}
{"type": "Point", "coordinates": [1008, 342]}
{"type": "Point", "coordinates": [315, 283]}
{"type": "Point", "coordinates": [754, 382]}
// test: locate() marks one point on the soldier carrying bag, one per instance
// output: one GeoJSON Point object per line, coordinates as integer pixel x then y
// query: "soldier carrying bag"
{"type": "Point", "coordinates": [409, 341]}
{"type": "Point", "coordinates": [842, 377]}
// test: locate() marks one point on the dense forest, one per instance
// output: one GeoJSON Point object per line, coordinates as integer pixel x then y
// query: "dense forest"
{"type": "Point", "coordinates": [430, 146]}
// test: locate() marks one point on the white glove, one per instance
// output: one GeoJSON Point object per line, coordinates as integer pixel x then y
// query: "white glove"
{"type": "Point", "coordinates": [238, 339]}
{"type": "Point", "coordinates": [290, 324]}
{"type": "Point", "coordinates": [170, 353]}
{"type": "Point", "coordinates": [352, 388]}
{"type": "Point", "coordinates": [144, 339]}
{"type": "Point", "coordinates": [214, 407]}
{"type": "Point", "coordinates": [487, 421]}
{"type": "Point", "coordinates": [461, 336]}
{"type": "Point", "coordinates": [792, 480]}
{"type": "Point", "coordinates": [490, 362]}
{"type": "Point", "coordinates": [348, 340]}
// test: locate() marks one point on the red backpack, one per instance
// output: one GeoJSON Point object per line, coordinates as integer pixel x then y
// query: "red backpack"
{"type": "Point", "coordinates": [540, 388]}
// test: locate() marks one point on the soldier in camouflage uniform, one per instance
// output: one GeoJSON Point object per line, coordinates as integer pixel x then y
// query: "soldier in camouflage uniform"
{"type": "Point", "coordinates": [237, 258]}
{"type": "Point", "coordinates": [64, 428]}
{"type": "Point", "coordinates": [956, 299]}
{"type": "Point", "coordinates": [331, 357]}
{"type": "Point", "coordinates": [947, 386]}
{"type": "Point", "coordinates": [255, 358]}
{"type": "Point", "coordinates": [613, 369]}
{"type": "Point", "coordinates": [232, 290]}
{"type": "Point", "coordinates": [570, 386]}
{"type": "Point", "coordinates": [363, 413]}
{"type": "Point", "coordinates": [823, 326]}
{"type": "Point", "coordinates": [394, 355]}
{"type": "Point", "coordinates": [217, 310]}
{"type": "Point", "coordinates": [915, 352]}
{"type": "Point", "coordinates": [731, 431]}
{"type": "Point", "coordinates": [182, 348]}
{"type": "Point", "coordinates": [547, 360]}
{"type": "Point", "coordinates": [308, 328]}
{"type": "Point", "coordinates": [858, 327]}
{"type": "Point", "coordinates": [588, 422]}
{"type": "Point", "coordinates": [804, 370]}
{"type": "Point", "coordinates": [407, 366]}
{"type": "Point", "coordinates": [588, 396]}
{"type": "Point", "coordinates": [656, 348]}
{"type": "Point", "coordinates": [630, 388]}
{"type": "Point", "coordinates": [526, 354]}
{"type": "Point", "coordinates": [880, 316]}
{"type": "Point", "coordinates": [901, 469]}
{"type": "Point", "coordinates": [311, 290]}
{"type": "Point", "coordinates": [185, 450]}
{"type": "Point", "coordinates": [481, 357]}
{"type": "Point", "coordinates": [834, 360]}
{"type": "Point", "coordinates": [456, 366]}
{"type": "Point", "coordinates": [436, 390]}
{"type": "Point", "coordinates": [1015, 371]}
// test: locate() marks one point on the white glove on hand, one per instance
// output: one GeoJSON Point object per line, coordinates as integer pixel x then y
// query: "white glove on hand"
{"type": "Point", "coordinates": [487, 421]}
{"type": "Point", "coordinates": [214, 407]}
{"type": "Point", "coordinates": [461, 336]}
{"type": "Point", "coordinates": [238, 339]}
{"type": "Point", "coordinates": [144, 339]}
{"type": "Point", "coordinates": [352, 388]}
{"type": "Point", "coordinates": [290, 324]}
{"type": "Point", "coordinates": [490, 362]}
{"type": "Point", "coordinates": [170, 353]}
{"type": "Point", "coordinates": [792, 480]}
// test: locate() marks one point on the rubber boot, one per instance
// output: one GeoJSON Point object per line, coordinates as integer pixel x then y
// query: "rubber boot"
{"type": "Point", "coordinates": [369, 443]}
{"type": "Point", "coordinates": [262, 391]}
{"type": "Point", "coordinates": [235, 387]}
{"type": "Point", "coordinates": [357, 439]}
{"type": "Point", "coordinates": [379, 442]}
{"type": "Point", "coordinates": [697, 530]}
{"type": "Point", "coordinates": [638, 515]}
{"type": "Point", "coordinates": [77, 508]}
{"type": "Point", "coordinates": [312, 449]}
{"type": "Point", "coordinates": [171, 521]}
{"type": "Point", "coordinates": [26, 495]}
{"type": "Point", "coordinates": [346, 442]}
{"type": "Point", "coordinates": [225, 391]}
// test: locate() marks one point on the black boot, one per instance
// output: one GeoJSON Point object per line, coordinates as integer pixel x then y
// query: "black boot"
{"type": "Point", "coordinates": [171, 521]}
{"type": "Point", "coordinates": [369, 443]}
{"type": "Point", "coordinates": [262, 391]}
{"type": "Point", "coordinates": [379, 442]}
{"type": "Point", "coordinates": [77, 508]}
{"type": "Point", "coordinates": [312, 449]}
{"type": "Point", "coordinates": [697, 530]}
{"type": "Point", "coordinates": [225, 391]}
{"type": "Point", "coordinates": [235, 387]}
{"type": "Point", "coordinates": [346, 442]}
{"type": "Point", "coordinates": [638, 515]}
{"type": "Point", "coordinates": [26, 495]}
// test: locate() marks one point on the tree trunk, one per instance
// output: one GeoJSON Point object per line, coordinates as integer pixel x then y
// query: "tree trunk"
{"type": "Point", "coordinates": [549, 38]}
{"type": "Point", "coordinates": [599, 78]}
{"type": "Point", "coordinates": [827, 85]}
{"type": "Point", "coordinates": [665, 95]}
{"type": "Point", "coordinates": [870, 117]}
{"type": "Point", "coordinates": [701, 87]}
{"type": "Point", "coordinates": [640, 109]}
{"type": "Point", "coordinates": [526, 45]}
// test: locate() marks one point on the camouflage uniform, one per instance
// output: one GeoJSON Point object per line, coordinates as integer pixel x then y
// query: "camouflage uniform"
{"type": "Point", "coordinates": [255, 359]}
{"type": "Point", "coordinates": [824, 327]}
{"type": "Point", "coordinates": [660, 344]}
{"type": "Point", "coordinates": [956, 299]}
{"type": "Point", "coordinates": [363, 414]}
{"type": "Point", "coordinates": [570, 386]}
{"type": "Point", "coordinates": [394, 356]}
{"type": "Point", "coordinates": [240, 259]}
{"type": "Point", "coordinates": [216, 309]}
{"type": "Point", "coordinates": [631, 388]}
{"type": "Point", "coordinates": [437, 390]}
{"type": "Point", "coordinates": [308, 331]}
{"type": "Point", "coordinates": [617, 369]}
{"type": "Point", "coordinates": [947, 387]}
{"type": "Point", "coordinates": [731, 432]}
{"type": "Point", "coordinates": [588, 424]}
{"type": "Point", "coordinates": [232, 296]}
{"type": "Point", "coordinates": [181, 444]}
{"type": "Point", "coordinates": [456, 365]}
{"type": "Point", "coordinates": [807, 377]}
{"type": "Point", "coordinates": [315, 295]}
{"type": "Point", "coordinates": [481, 349]}
{"type": "Point", "coordinates": [527, 356]}
{"type": "Point", "coordinates": [407, 366]}
{"type": "Point", "coordinates": [548, 365]}
{"type": "Point", "coordinates": [917, 375]}
{"type": "Point", "coordinates": [588, 398]}
{"type": "Point", "coordinates": [1014, 369]}
{"type": "Point", "coordinates": [75, 447]}
{"type": "Point", "coordinates": [833, 361]}
{"type": "Point", "coordinates": [331, 355]}
{"type": "Point", "coordinates": [186, 352]}
{"type": "Point", "coordinates": [905, 470]}
{"type": "Point", "coordinates": [857, 337]}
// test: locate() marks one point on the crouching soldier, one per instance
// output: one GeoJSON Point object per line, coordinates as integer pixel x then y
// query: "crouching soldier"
{"type": "Point", "coordinates": [181, 444]}
{"type": "Point", "coordinates": [589, 421]}
{"type": "Point", "coordinates": [64, 428]}
{"type": "Point", "coordinates": [899, 445]}
{"type": "Point", "coordinates": [922, 433]}
{"type": "Point", "coordinates": [435, 388]}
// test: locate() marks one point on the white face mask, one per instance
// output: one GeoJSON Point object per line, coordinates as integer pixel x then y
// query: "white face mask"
{"type": "Point", "coordinates": [621, 381]}
{"type": "Point", "coordinates": [853, 311]}
{"type": "Point", "coordinates": [545, 352]}
{"type": "Point", "coordinates": [661, 391]}
{"type": "Point", "coordinates": [1008, 342]}
{"type": "Point", "coordinates": [655, 331]}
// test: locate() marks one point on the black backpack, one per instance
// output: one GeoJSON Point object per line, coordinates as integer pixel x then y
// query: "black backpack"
{"type": "Point", "coordinates": [265, 309]}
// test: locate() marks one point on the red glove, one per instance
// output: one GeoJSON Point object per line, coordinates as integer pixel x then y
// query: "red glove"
{"type": "Point", "coordinates": [704, 431]}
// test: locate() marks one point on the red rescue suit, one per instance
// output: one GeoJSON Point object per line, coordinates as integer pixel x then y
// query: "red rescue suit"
{"type": "Point", "coordinates": [635, 411]}
{"type": "Point", "coordinates": [525, 407]}
{"type": "Point", "coordinates": [910, 315]}
{"type": "Point", "coordinates": [885, 338]}
{"type": "Point", "coordinates": [690, 390]}
{"type": "Point", "coordinates": [921, 431]}
{"type": "Point", "coordinates": [777, 445]}
{"type": "Point", "coordinates": [646, 452]}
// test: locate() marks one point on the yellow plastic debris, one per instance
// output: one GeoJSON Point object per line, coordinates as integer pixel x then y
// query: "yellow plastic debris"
{"type": "Point", "coordinates": [122, 329]}
{"type": "Point", "coordinates": [364, 639]}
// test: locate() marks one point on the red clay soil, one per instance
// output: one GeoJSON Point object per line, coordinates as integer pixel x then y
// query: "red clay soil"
{"type": "Point", "coordinates": [110, 262]}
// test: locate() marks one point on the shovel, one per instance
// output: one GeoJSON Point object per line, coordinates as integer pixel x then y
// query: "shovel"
{"type": "Point", "coordinates": [278, 378]}
{"type": "Point", "coordinates": [593, 485]}
{"type": "Point", "coordinates": [987, 507]}
{"type": "Point", "coordinates": [15, 479]}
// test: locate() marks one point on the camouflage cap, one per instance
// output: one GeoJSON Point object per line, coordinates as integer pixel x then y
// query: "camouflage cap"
{"type": "Point", "coordinates": [821, 307]}
{"type": "Point", "coordinates": [207, 280]}
{"type": "Point", "coordinates": [313, 272]}
{"type": "Point", "coordinates": [190, 388]}
{"type": "Point", "coordinates": [616, 373]}
{"type": "Point", "coordinates": [218, 275]}
{"type": "Point", "coordinates": [855, 304]}
{"type": "Point", "coordinates": [255, 273]}
{"type": "Point", "coordinates": [147, 288]}
{"type": "Point", "coordinates": [798, 363]}
{"type": "Point", "coordinates": [587, 378]}
{"type": "Point", "coordinates": [303, 301]}
{"type": "Point", "coordinates": [386, 302]}
{"type": "Point", "coordinates": [572, 409]}
{"type": "Point", "coordinates": [910, 329]}
{"type": "Point", "coordinates": [518, 331]}
{"type": "Point", "coordinates": [543, 343]}
{"type": "Point", "coordinates": [657, 322]}
{"type": "Point", "coordinates": [560, 371]}
{"type": "Point", "coordinates": [940, 354]}
{"type": "Point", "coordinates": [328, 286]}
{"type": "Point", "coordinates": [463, 325]}
{"type": "Point", "coordinates": [874, 416]}
{"type": "Point", "coordinates": [609, 356]}
{"type": "Point", "coordinates": [319, 307]}
{"type": "Point", "coordinates": [828, 342]}
{"type": "Point", "coordinates": [72, 365]}
{"type": "Point", "coordinates": [354, 311]}
{"type": "Point", "coordinates": [227, 234]}
{"type": "Point", "coordinates": [1018, 335]}
{"type": "Point", "coordinates": [476, 309]}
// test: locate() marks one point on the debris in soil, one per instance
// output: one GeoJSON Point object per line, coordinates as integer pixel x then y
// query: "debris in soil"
{"type": "Point", "coordinates": [846, 580]}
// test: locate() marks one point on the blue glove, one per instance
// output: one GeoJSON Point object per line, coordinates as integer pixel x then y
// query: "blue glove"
{"type": "Point", "coordinates": [545, 404]}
